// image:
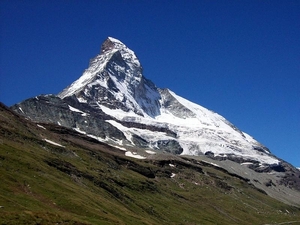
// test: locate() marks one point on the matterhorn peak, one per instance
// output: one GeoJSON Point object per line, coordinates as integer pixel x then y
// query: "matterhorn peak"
{"type": "Point", "coordinates": [114, 79]}
{"type": "Point", "coordinates": [111, 43]}
{"type": "Point", "coordinates": [114, 83]}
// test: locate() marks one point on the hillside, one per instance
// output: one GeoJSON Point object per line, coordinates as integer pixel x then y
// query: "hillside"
{"type": "Point", "coordinates": [55, 175]}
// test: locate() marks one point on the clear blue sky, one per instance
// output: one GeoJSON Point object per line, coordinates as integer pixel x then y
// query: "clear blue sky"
{"type": "Point", "coordinates": [240, 59]}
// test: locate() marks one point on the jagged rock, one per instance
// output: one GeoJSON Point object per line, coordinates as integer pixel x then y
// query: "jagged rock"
{"type": "Point", "coordinates": [170, 146]}
{"type": "Point", "coordinates": [52, 109]}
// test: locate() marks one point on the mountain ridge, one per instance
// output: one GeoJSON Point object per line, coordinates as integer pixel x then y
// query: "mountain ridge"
{"type": "Point", "coordinates": [150, 104]}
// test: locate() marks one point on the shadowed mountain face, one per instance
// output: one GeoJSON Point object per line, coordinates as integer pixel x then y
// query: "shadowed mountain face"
{"type": "Point", "coordinates": [112, 102]}
{"type": "Point", "coordinates": [54, 175]}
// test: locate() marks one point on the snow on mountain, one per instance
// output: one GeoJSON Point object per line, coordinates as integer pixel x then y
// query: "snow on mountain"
{"type": "Point", "coordinates": [114, 79]}
{"type": "Point", "coordinates": [205, 132]}
{"type": "Point", "coordinates": [114, 83]}
{"type": "Point", "coordinates": [109, 48]}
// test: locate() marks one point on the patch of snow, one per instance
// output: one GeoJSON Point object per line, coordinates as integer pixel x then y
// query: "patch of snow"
{"type": "Point", "coordinates": [150, 152]}
{"type": "Point", "coordinates": [74, 109]}
{"type": "Point", "coordinates": [143, 133]}
{"type": "Point", "coordinates": [173, 175]}
{"type": "Point", "coordinates": [106, 139]}
{"type": "Point", "coordinates": [21, 109]}
{"type": "Point", "coordinates": [122, 128]}
{"type": "Point", "coordinates": [134, 155]}
{"type": "Point", "coordinates": [58, 123]}
{"type": "Point", "coordinates": [79, 131]}
{"type": "Point", "coordinates": [246, 163]}
{"type": "Point", "coordinates": [53, 143]}
{"type": "Point", "coordinates": [82, 100]}
{"type": "Point", "coordinates": [214, 164]}
{"type": "Point", "coordinates": [119, 113]}
{"type": "Point", "coordinates": [97, 138]}
{"type": "Point", "coordinates": [116, 41]}
{"type": "Point", "coordinates": [172, 165]}
{"type": "Point", "coordinates": [121, 148]}
{"type": "Point", "coordinates": [41, 126]}
{"type": "Point", "coordinates": [77, 110]}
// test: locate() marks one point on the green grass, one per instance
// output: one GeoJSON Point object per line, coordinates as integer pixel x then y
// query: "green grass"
{"type": "Point", "coordinates": [44, 184]}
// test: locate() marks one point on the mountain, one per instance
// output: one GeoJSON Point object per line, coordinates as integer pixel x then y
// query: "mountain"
{"type": "Point", "coordinates": [51, 174]}
{"type": "Point", "coordinates": [114, 103]}
{"type": "Point", "coordinates": [114, 85]}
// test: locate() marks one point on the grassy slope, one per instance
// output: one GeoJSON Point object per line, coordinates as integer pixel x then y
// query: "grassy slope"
{"type": "Point", "coordinates": [91, 183]}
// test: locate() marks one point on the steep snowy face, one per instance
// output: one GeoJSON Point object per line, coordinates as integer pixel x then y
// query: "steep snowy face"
{"type": "Point", "coordinates": [114, 79]}
{"type": "Point", "coordinates": [201, 131]}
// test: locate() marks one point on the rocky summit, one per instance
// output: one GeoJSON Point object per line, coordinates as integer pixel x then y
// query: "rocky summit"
{"type": "Point", "coordinates": [114, 103]}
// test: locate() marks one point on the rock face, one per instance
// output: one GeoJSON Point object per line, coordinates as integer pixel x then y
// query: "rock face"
{"type": "Point", "coordinates": [113, 101]}
{"type": "Point", "coordinates": [114, 79]}
{"type": "Point", "coordinates": [52, 109]}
